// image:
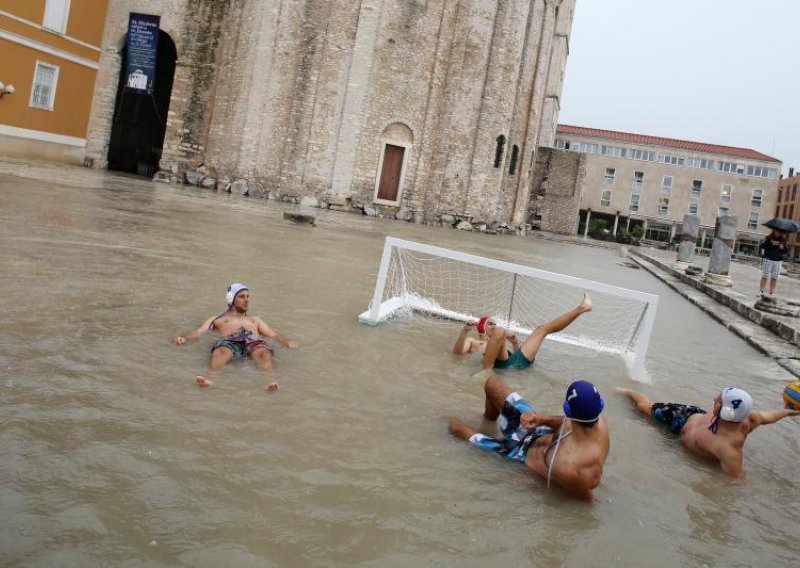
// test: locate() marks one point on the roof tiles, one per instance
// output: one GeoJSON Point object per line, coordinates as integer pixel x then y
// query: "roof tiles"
{"type": "Point", "coordinates": [631, 138]}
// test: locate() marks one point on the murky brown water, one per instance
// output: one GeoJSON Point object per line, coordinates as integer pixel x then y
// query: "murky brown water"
{"type": "Point", "coordinates": [112, 457]}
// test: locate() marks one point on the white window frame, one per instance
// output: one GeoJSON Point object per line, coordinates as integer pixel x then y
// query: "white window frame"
{"type": "Point", "coordinates": [751, 224]}
{"type": "Point", "coordinates": [52, 101]}
{"type": "Point", "coordinates": [631, 206]}
{"type": "Point", "coordinates": [605, 198]}
{"type": "Point", "coordinates": [726, 197]}
{"type": "Point", "coordinates": [53, 19]}
{"type": "Point", "coordinates": [663, 206]}
{"type": "Point", "coordinates": [608, 179]}
{"type": "Point", "coordinates": [696, 189]}
{"type": "Point", "coordinates": [696, 206]}
{"type": "Point", "coordinates": [756, 200]}
{"type": "Point", "coordinates": [666, 187]}
{"type": "Point", "coordinates": [637, 183]}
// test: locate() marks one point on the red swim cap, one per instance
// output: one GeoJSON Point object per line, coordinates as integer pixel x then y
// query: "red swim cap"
{"type": "Point", "coordinates": [482, 324]}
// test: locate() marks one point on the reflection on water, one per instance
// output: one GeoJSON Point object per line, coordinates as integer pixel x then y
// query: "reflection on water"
{"type": "Point", "coordinates": [111, 455]}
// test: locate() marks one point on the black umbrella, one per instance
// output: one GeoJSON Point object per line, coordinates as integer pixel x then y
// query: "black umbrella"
{"type": "Point", "coordinates": [781, 224]}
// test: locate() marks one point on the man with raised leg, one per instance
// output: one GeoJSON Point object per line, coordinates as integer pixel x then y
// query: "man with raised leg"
{"type": "Point", "coordinates": [243, 336]}
{"type": "Point", "coordinates": [492, 341]}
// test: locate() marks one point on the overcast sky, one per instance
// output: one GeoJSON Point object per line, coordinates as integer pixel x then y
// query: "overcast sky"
{"type": "Point", "coordinates": [716, 71]}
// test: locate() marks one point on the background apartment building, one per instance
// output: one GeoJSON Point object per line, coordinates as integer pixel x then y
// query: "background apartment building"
{"type": "Point", "coordinates": [49, 53]}
{"type": "Point", "coordinates": [638, 180]}
{"type": "Point", "coordinates": [788, 206]}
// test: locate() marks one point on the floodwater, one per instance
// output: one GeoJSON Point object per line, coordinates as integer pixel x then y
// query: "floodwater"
{"type": "Point", "coordinates": [111, 456]}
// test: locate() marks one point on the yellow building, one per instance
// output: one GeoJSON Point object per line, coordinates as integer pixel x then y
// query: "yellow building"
{"type": "Point", "coordinates": [49, 54]}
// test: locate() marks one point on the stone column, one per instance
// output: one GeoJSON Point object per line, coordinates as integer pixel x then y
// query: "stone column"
{"type": "Point", "coordinates": [691, 228]}
{"type": "Point", "coordinates": [586, 226]}
{"type": "Point", "coordinates": [616, 224]}
{"type": "Point", "coordinates": [720, 262]}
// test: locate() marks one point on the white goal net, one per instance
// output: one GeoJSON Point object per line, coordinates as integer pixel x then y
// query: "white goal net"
{"type": "Point", "coordinates": [443, 284]}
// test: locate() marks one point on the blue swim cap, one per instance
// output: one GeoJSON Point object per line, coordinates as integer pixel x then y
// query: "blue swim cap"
{"type": "Point", "coordinates": [583, 403]}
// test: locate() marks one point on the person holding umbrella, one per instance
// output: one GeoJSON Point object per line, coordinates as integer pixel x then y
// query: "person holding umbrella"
{"type": "Point", "coordinates": [774, 247]}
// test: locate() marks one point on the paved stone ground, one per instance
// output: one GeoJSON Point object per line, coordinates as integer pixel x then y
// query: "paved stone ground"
{"type": "Point", "coordinates": [776, 336]}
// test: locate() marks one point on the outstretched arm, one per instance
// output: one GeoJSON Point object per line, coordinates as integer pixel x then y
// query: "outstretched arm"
{"type": "Point", "coordinates": [759, 418]}
{"type": "Point", "coordinates": [267, 331]}
{"type": "Point", "coordinates": [463, 344]}
{"type": "Point", "coordinates": [204, 327]}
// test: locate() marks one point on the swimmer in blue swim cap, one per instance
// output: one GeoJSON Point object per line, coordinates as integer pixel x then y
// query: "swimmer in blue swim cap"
{"type": "Point", "coordinates": [569, 450]}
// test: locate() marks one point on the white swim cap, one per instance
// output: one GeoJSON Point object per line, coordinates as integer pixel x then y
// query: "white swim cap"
{"type": "Point", "coordinates": [233, 290]}
{"type": "Point", "coordinates": [736, 405]}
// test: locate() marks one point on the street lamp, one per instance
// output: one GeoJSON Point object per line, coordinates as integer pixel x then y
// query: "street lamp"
{"type": "Point", "coordinates": [6, 89]}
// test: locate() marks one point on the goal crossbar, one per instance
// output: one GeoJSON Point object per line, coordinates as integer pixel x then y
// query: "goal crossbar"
{"type": "Point", "coordinates": [381, 310]}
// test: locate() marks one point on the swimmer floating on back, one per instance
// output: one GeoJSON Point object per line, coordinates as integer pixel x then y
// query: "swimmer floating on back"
{"type": "Point", "coordinates": [243, 336]}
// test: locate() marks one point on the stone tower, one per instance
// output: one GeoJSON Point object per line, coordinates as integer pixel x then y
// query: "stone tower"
{"type": "Point", "coordinates": [430, 107]}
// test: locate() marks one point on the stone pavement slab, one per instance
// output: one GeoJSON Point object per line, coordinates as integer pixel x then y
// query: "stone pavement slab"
{"type": "Point", "coordinates": [775, 336]}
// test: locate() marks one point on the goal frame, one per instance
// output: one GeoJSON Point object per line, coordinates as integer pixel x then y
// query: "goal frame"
{"type": "Point", "coordinates": [380, 311]}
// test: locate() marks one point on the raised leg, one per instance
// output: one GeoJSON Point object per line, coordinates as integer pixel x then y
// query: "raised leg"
{"type": "Point", "coordinates": [639, 400]}
{"type": "Point", "coordinates": [496, 394]}
{"type": "Point", "coordinates": [495, 348]}
{"type": "Point", "coordinates": [534, 341]}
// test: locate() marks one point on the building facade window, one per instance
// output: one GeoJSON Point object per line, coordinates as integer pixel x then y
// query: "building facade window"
{"type": "Point", "coordinates": [642, 155]}
{"type": "Point", "coordinates": [498, 151]}
{"type": "Point", "coordinates": [701, 163]}
{"type": "Point", "coordinates": [725, 197]}
{"type": "Point", "coordinates": [56, 15]}
{"type": "Point", "coordinates": [673, 160]}
{"type": "Point", "coordinates": [730, 167]}
{"type": "Point", "coordinates": [723, 212]}
{"type": "Point", "coordinates": [697, 187]}
{"type": "Point", "coordinates": [561, 144]}
{"type": "Point", "coordinates": [634, 205]}
{"type": "Point", "coordinates": [43, 92]}
{"type": "Point", "coordinates": [512, 168]}
{"type": "Point", "coordinates": [694, 208]}
{"type": "Point", "coordinates": [608, 178]}
{"type": "Point", "coordinates": [605, 198]}
{"type": "Point", "coordinates": [638, 181]}
{"type": "Point", "coordinates": [666, 184]}
{"type": "Point", "coordinates": [752, 221]}
{"type": "Point", "coordinates": [663, 206]}
{"type": "Point", "coordinates": [756, 198]}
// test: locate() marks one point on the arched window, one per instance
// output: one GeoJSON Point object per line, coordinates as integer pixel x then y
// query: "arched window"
{"type": "Point", "coordinates": [512, 168]}
{"type": "Point", "coordinates": [498, 153]}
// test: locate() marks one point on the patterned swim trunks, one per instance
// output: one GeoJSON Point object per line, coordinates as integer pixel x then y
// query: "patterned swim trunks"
{"type": "Point", "coordinates": [242, 343]}
{"type": "Point", "coordinates": [516, 440]}
{"type": "Point", "coordinates": [674, 414]}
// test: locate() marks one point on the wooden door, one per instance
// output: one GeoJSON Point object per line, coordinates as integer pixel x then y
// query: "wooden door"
{"type": "Point", "coordinates": [390, 173]}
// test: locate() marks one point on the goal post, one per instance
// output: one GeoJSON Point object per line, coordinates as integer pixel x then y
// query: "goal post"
{"type": "Point", "coordinates": [457, 286]}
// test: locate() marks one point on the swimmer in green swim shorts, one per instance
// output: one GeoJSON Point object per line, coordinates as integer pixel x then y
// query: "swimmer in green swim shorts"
{"type": "Point", "coordinates": [493, 340]}
{"type": "Point", "coordinates": [243, 337]}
